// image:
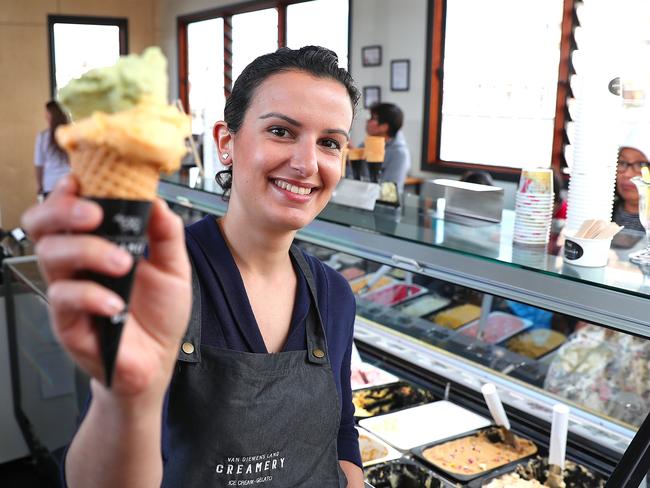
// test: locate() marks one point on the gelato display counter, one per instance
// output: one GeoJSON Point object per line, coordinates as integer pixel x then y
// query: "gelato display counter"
{"type": "Point", "coordinates": [444, 307]}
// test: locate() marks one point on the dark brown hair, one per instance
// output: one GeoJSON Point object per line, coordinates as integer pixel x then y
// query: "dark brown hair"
{"type": "Point", "coordinates": [314, 60]}
{"type": "Point", "coordinates": [57, 118]}
{"type": "Point", "coordinates": [388, 113]}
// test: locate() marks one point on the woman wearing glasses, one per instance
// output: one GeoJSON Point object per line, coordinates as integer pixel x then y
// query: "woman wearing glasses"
{"type": "Point", "coordinates": [632, 156]}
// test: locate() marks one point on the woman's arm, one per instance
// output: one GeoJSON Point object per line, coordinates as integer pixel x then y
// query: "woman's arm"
{"type": "Point", "coordinates": [348, 444]}
{"type": "Point", "coordinates": [38, 162]}
{"type": "Point", "coordinates": [353, 473]}
{"type": "Point", "coordinates": [118, 443]}
{"type": "Point", "coordinates": [39, 179]}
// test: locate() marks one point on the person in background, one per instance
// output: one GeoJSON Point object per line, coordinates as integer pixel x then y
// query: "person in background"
{"type": "Point", "coordinates": [50, 160]}
{"type": "Point", "coordinates": [478, 177]}
{"type": "Point", "coordinates": [386, 120]}
{"type": "Point", "coordinates": [632, 156]}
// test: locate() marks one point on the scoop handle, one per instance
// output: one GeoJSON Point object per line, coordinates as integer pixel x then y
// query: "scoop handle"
{"type": "Point", "coordinates": [494, 404]}
{"type": "Point", "coordinates": [374, 279]}
{"type": "Point", "coordinates": [559, 428]}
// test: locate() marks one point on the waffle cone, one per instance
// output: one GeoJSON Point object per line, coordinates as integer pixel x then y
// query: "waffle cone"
{"type": "Point", "coordinates": [104, 173]}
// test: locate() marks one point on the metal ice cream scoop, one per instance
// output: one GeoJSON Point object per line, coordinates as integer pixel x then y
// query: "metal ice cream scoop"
{"type": "Point", "coordinates": [499, 414]}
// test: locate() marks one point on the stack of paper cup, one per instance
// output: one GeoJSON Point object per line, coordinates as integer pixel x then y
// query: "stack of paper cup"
{"type": "Point", "coordinates": [534, 207]}
{"type": "Point", "coordinates": [596, 113]}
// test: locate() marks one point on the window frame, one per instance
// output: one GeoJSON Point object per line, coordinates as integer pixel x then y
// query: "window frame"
{"type": "Point", "coordinates": [226, 13]}
{"type": "Point", "coordinates": [432, 120]}
{"type": "Point", "coordinates": [122, 23]}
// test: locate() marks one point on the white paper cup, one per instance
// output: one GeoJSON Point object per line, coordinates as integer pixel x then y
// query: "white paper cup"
{"type": "Point", "coordinates": [538, 180]}
{"type": "Point", "coordinates": [586, 252]}
{"type": "Point", "coordinates": [536, 199]}
{"type": "Point", "coordinates": [525, 209]}
{"type": "Point", "coordinates": [534, 209]}
{"type": "Point", "coordinates": [530, 224]}
{"type": "Point", "coordinates": [591, 274]}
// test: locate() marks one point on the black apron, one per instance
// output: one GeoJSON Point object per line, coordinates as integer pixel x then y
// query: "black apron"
{"type": "Point", "coordinates": [249, 419]}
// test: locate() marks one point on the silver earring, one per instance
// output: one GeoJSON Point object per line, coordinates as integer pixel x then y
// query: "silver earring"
{"type": "Point", "coordinates": [225, 156]}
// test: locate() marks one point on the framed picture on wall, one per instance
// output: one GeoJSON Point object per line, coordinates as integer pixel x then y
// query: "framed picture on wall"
{"type": "Point", "coordinates": [371, 55]}
{"type": "Point", "coordinates": [371, 95]}
{"type": "Point", "coordinates": [400, 72]}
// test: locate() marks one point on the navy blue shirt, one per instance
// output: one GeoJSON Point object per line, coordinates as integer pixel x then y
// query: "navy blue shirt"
{"type": "Point", "coordinates": [236, 328]}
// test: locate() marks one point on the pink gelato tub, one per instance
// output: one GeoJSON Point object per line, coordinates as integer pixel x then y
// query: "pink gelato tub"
{"type": "Point", "coordinates": [499, 327]}
{"type": "Point", "coordinates": [352, 273]}
{"type": "Point", "coordinates": [394, 294]}
{"type": "Point", "coordinates": [364, 375]}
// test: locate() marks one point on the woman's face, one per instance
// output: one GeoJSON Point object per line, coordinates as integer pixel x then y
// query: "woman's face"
{"type": "Point", "coordinates": [624, 185]}
{"type": "Point", "coordinates": [286, 155]}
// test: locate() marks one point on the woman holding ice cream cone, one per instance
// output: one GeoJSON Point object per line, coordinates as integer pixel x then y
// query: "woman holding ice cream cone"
{"type": "Point", "coordinates": [256, 390]}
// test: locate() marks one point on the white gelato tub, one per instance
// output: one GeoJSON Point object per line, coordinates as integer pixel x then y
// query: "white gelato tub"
{"type": "Point", "coordinates": [424, 424]}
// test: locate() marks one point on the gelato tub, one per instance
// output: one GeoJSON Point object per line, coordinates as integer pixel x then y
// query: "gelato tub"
{"type": "Point", "coordinates": [456, 317]}
{"type": "Point", "coordinates": [423, 305]}
{"type": "Point", "coordinates": [536, 343]}
{"type": "Point", "coordinates": [374, 450]}
{"type": "Point", "coordinates": [389, 398]}
{"type": "Point", "coordinates": [394, 294]}
{"type": "Point", "coordinates": [365, 375]}
{"type": "Point", "coordinates": [499, 327]}
{"type": "Point", "coordinates": [513, 480]}
{"type": "Point", "coordinates": [424, 424]}
{"type": "Point", "coordinates": [352, 273]}
{"type": "Point", "coordinates": [536, 471]}
{"type": "Point", "coordinates": [402, 473]}
{"type": "Point", "coordinates": [470, 456]}
{"type": "Point", "coordinates": [358, 284]}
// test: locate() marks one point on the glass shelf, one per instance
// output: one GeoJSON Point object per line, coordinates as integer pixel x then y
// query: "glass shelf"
{"type": "Point", "coordinates": [494, 242]}
{"type": "Point", "coordinates": [482, 257]}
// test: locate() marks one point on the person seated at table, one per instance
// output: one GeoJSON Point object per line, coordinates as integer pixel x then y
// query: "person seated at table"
{"type": "Point", "coordinates": [386, 121]}
{"type": "Point", "coordinates": [632, 156]}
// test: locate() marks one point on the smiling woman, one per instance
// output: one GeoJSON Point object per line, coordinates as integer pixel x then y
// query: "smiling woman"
{"type": "Point", "coordinates": [286, 154]}
{"type": "Point", "coordinates": [260, 306]}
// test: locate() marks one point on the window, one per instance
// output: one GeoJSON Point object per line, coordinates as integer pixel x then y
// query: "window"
{"type": "Point", "coordinates": [205, 72]}
{"type": "Point", "coordinates": [320, 22]}
{"type": "Point", "coordinates": [216, 45]}
{"type": "Point", "coordinates": [502, 97]}
{"type": "Point", "coordinates": [246, 46]}
{"type": "Point", "coordinates": [244, 32]}
{"type": "Point", "coordinates": [205, 79]}
{"type": "Point", "coordinates": [78, 44]}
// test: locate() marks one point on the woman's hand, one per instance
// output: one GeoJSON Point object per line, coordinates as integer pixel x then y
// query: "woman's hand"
{"type": "Point", "coordinates": [161, 295]}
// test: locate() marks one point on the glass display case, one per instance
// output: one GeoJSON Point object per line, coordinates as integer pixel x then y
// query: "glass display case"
{"type": "Point", "coordinates": [448, 307]}
{"type": "Point", "coordinates": [48, 391]}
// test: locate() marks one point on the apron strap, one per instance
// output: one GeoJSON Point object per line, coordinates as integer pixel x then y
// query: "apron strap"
{"type": "Point", "coordinates": [190, 350]}
{"type": "Point", "coordinates": [316, 341]}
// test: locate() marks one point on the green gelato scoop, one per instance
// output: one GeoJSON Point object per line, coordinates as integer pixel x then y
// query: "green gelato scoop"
{"type": "Point", "coordinates": [118, 87]}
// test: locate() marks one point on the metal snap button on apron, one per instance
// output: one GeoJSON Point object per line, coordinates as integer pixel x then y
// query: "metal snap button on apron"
{"type": "Point", "coordinates": [187, 347]}
{"type": "Point", "coordinates": [319, 353]}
